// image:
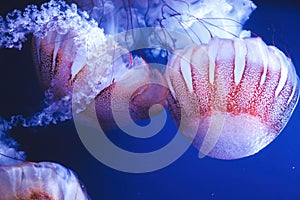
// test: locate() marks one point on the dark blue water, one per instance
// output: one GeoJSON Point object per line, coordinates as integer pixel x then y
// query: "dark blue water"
{"type": "Point", "coordinates": [273, 173]}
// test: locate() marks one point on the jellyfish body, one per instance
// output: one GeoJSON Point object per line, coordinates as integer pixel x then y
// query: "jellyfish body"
{"type": "Point", "coordinates": [45, 180]}
{"type": "Point", "coordinates": [95, 65]}
{"type": "Point", "coordinates": [236, 94]}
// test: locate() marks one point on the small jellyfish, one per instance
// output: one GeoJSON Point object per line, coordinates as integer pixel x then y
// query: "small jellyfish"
{"type": "Point", "coordinates": [40, 181]}
{"type": "Point", "coordinates": [20, 179]}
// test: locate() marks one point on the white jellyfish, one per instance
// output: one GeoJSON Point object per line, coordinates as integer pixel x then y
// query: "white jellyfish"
{"type": "Point", "coordinates": [40, 181]}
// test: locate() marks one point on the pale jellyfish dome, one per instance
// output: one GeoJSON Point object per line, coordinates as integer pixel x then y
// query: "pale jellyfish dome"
{"type": "Point", "coordinates": [43, 180]}
{"type": "Point", "coordinates": [234, 96]}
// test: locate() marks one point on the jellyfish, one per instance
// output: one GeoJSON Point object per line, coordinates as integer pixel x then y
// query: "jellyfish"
{"type": "Point", "coordinates": [21, 179]}
{"type": "Point", "coordinates": [44, 181]}
{"type": "Point", "coordinates": [95, 63]}
{"type": "Point", "coordinates": [238, 95]}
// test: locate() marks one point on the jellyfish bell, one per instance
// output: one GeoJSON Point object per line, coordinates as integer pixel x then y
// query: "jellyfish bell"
{"type": "Point", "coordinates": [20, 179]}
{"type": "Point", "coordinates": [53, 59]}
{"type": "Point", "coordinates": [44, 180]}
{"type": "Point", "coordinates": [95, 63]}
{"type": "Point", "coordinates": [238, 95]}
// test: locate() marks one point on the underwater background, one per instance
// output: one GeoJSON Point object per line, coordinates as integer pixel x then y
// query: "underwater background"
{"type": "Point", "coordinates": [273, 173]}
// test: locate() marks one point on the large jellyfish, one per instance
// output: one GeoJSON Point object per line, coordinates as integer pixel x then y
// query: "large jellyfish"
{"type": "Point", "coordinates": [238, 95]}
{"type": "Point", "coordinates": [229, 94]}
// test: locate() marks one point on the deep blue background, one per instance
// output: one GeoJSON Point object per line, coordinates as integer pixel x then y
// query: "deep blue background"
{"type": "Point", "coordinates": [273, 173]}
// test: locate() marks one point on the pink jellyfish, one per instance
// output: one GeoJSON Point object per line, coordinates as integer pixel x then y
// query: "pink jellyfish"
{"type": "Point", "coordinates": [237, 95]}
